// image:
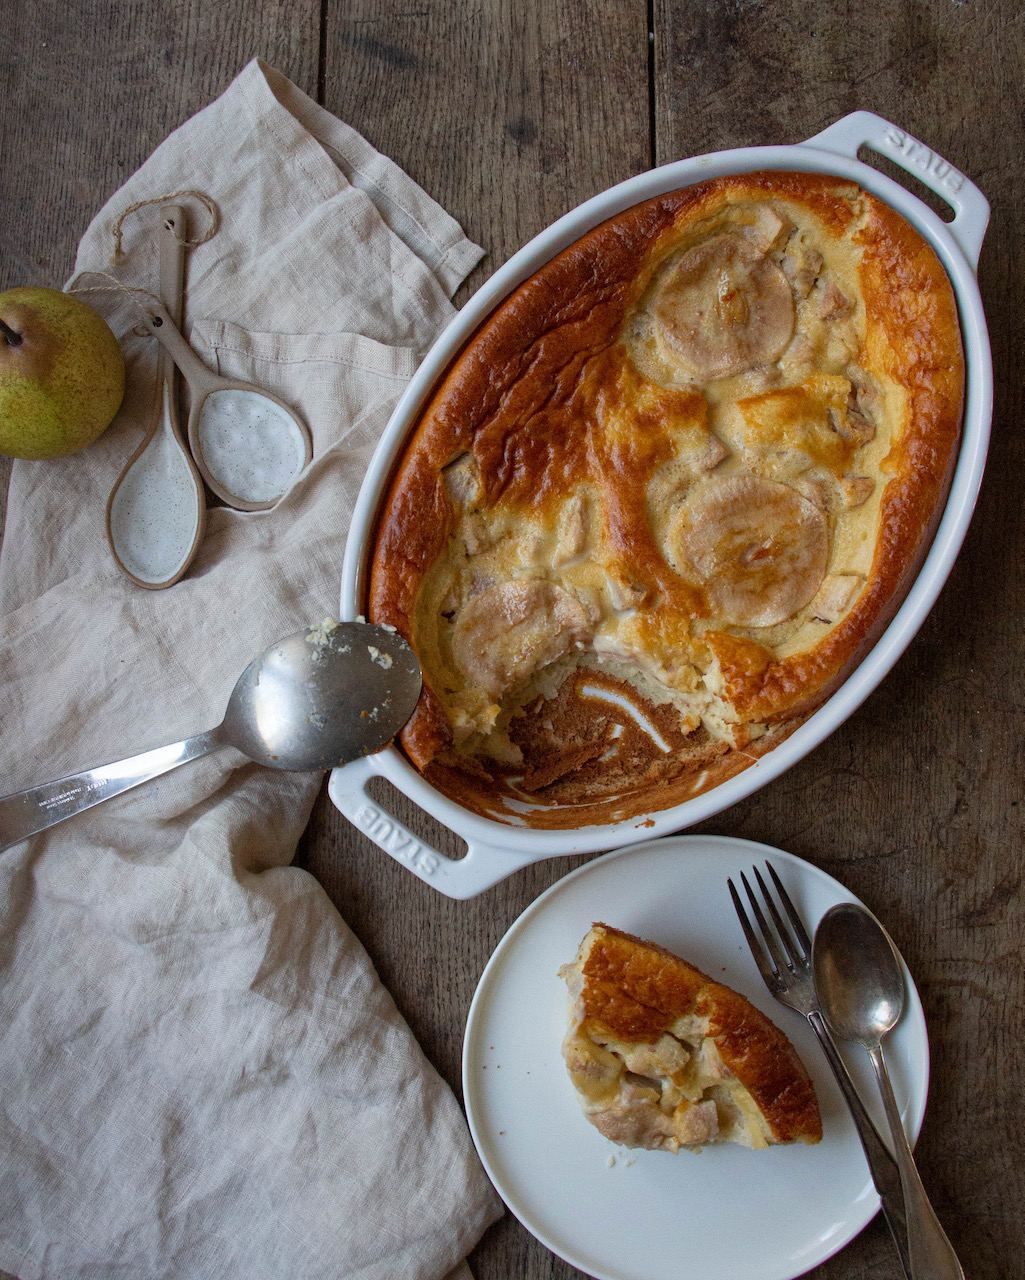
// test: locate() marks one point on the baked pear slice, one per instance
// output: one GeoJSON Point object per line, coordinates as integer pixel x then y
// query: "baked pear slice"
{"type": "Point", "coordinates": [664, 1057]}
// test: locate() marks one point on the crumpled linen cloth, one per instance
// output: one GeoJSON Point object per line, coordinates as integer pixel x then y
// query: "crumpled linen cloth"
{"type": "Point", "coordinates": [201, 1075]}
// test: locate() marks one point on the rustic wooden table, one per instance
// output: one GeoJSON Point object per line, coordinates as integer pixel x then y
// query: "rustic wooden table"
{"type": "Point", "coordinates": [510, 114]}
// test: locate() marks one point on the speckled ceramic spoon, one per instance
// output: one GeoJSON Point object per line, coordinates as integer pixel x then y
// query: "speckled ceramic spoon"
{"type": "Point", "coordinates": [156, 511]}
{"type": "Point", "coordinates": [249, 446]}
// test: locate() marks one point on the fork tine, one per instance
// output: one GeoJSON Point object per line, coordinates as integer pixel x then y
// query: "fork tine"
{"type": "Point", "coordinates": [761, 959]}
{"type": "Point", "coordinates": [791, 910]}
{"type": "Point", "coordinates": [768, 937]}
{"type": "Point", "coordinates": [796, 957]}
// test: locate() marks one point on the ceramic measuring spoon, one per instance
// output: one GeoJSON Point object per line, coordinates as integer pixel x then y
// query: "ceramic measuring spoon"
{"type": "Point", "coordinates": [156, 511]}
{"type": "Point", "coordinates": [249, 446]}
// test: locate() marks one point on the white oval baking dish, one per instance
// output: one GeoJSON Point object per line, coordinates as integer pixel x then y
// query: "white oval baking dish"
{"type": "Point", "coordinates": [496, 849]}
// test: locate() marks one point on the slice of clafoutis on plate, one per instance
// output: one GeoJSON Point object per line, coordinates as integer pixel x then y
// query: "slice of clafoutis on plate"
{"type": "Point", "coordinates": [664, 1057]}
{"type": "Point", "coordinates": [669, 495]}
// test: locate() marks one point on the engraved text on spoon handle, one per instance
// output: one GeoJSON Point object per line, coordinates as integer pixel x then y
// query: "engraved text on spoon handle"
{"type": "Point", "coordinates": [27, 812]}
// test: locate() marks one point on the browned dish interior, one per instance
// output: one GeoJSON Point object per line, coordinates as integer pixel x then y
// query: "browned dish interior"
{"type": "Point", "coordinates": [668, 496]}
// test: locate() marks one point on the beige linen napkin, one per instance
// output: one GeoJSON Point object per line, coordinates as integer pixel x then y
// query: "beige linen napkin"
{"type": "Point", "coordinates": [200, 1074]}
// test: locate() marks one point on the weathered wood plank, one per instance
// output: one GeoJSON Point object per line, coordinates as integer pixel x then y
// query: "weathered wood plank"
{"type": "Point", "coordinates": [90, 90]}
{"type": "Point", "coordinates": [914, 802]}
{"type": "Point", "coordinates": [509, 114]}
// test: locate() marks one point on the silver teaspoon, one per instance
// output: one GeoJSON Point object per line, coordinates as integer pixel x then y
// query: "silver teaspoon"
{"type": "Point", "coordinates": [316, 699]}
{"type": "Point", "coordinates": [861, 990]}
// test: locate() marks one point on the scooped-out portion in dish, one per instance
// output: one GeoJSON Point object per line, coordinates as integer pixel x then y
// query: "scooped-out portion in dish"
{"type": "Point", "coordinates": [663, 1057]}
{"type": "Point", "coordinates": [668, 496]}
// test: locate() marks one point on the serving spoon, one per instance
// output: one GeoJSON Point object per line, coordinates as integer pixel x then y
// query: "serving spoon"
{"type": "Point", "coordinates": [860, 987]}
{"type": "Point", "coordinates": [320, 698]}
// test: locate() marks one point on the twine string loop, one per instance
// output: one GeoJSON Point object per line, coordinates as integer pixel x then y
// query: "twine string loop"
{"type": "Point", "coordinates": [208, 203]}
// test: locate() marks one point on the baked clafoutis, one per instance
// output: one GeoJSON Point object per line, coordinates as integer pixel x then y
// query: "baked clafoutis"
{"type": "Point", "coordinates": [664, 1057]}
{"type": "Point", "coordinates": [668, 496]}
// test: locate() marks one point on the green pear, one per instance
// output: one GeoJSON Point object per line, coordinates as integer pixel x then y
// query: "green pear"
{"type": "Point", "coordinates": [62, 375]}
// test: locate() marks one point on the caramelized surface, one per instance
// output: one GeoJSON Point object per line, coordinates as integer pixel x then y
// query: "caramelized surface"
{"type": "Point", "coordinates": [694, 460]}
{"type": "Point", "coordinates": [649, 1032]}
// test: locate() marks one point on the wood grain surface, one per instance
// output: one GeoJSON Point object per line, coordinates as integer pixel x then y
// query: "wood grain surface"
{"type": "Point", "coordinates": [510, 114]}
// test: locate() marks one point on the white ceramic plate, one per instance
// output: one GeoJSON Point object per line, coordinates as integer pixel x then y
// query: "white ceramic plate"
{"type": "Point", "coordinates": [724, 1213]}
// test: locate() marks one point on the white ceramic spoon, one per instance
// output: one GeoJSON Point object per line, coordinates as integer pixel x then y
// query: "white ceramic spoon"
{"type": "Point", "coordinates": [156, 511]}
{"type": "Point", "coordinates": [249, 446]}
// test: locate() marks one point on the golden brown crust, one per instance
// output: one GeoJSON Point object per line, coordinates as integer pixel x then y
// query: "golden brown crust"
{"type": "Point", "coordinates": [635, 990]}
{"type": "Point", "coordinates": [913, 336]}
{"type": "Point", "coordinates": [547, 403]}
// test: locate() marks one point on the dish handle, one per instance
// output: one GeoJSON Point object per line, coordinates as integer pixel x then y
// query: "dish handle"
{"type": "Point", "coordinates": [483, 866]}
{"type": "Point", "coordinates": [864, 128]}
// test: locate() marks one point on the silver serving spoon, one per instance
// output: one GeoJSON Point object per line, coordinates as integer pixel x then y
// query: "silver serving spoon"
{"type": "Point", "coordinates": [314, 700]}
{"type": "Point", "coordinates": [860, 987]}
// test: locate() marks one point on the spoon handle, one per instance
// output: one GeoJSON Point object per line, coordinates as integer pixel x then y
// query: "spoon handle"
{"type": "Point", "coordinates": [201, 380]}
{"type": "Point", "coordinates": [885, 1173]}
{"type": "Point", "coordinates": [27, 812]}
{"type": "Point", "coordinates": [932, 1256]}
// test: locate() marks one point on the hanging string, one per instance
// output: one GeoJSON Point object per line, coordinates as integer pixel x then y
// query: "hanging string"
{"type": "Point", "coordinates": [209, 204]}
{"type": "Point", "coordinates": [131, 291]}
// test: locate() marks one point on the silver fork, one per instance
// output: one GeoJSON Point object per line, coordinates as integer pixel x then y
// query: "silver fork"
{"type": "Point", "coordinates": [783, 957]}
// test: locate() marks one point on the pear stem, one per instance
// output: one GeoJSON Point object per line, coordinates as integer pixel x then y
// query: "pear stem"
{"type": "Point", "coordinates": [12, 338]}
